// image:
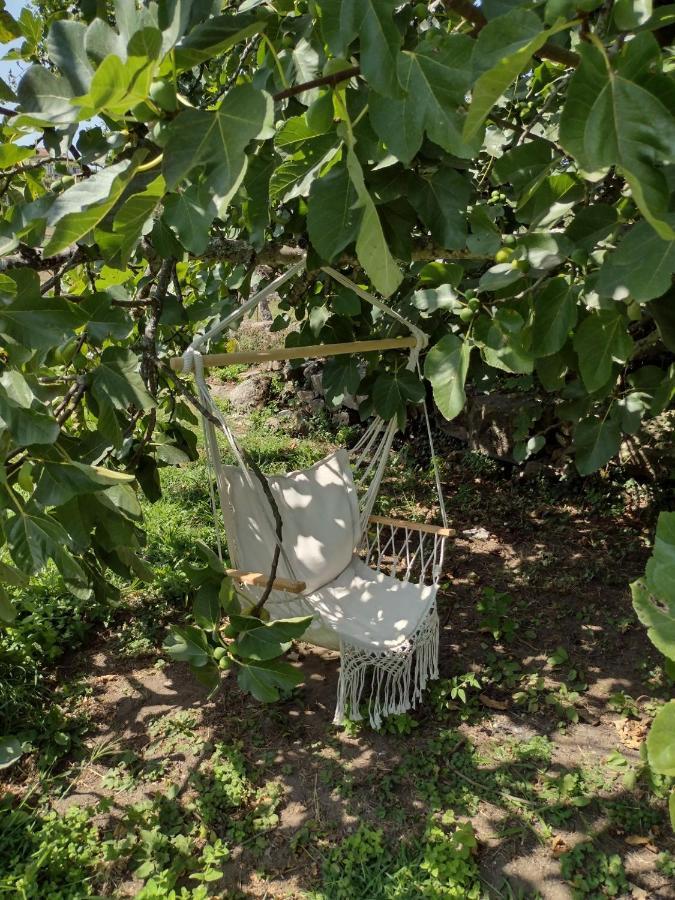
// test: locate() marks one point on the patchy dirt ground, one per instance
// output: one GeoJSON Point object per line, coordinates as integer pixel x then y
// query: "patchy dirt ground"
{"type": "Point", "coordinates": [541, 753]}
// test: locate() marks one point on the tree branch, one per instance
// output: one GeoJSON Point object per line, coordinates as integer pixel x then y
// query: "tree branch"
{"type": "Point", "coordinates": [125, 304]}
{"type": "Point", "coordinates": [334, 78]}
{"type": "Point", "coordinates": [222, 249]}
{"type": "Point", "coordinates": [32, 259]}
{"type": "Point", "coordinates": [148, 341]}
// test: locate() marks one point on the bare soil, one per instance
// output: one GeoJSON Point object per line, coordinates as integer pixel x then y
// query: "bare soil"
{"type": "Point", "coordinates": [566, 566]}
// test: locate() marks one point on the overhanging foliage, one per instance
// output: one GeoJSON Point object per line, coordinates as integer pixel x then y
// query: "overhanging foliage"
{"type": "Point", "coordinates": [503, 175]}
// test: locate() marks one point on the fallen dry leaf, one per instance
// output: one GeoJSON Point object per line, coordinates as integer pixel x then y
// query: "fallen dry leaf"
{"type": "Point", "coordinates": [558, 846]}
{"type": "Point", "coordinates": [638, 893]}
{"type": "Point", "coordinates": [632, 732]}
{"type": "Point", "coordinates": [493, 704]}
{"type": "Point", "coordinates": [636, 840]}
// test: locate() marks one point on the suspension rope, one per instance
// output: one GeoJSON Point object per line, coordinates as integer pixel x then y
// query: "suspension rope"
{"type": "Point", "coordinates": [420, 336]}
{"type": "Point", "coordinates": [375, 443]}
{"type": "Point", "coordinates": [434, 461]}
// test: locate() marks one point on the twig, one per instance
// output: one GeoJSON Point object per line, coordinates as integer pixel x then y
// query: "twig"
{"type": "Point", "coordinates": [125, 304]}
{"type": "Point", "coordinates": [55, 280]}
{"type": "Point", "coordinates": [28, 167]}
{"type": "Point", "coordinates": [176, 285]}
{"type": "Point", "coordinates": [248, 46]}
{"type": "Point", "coordinates": [73, 396]}
{"type": "Point", "coordinates": [279, 528]}
{"type": "Point", "coordinates": [221, 249]}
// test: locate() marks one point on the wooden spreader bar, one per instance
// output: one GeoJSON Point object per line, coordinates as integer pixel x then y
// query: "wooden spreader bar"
{"type": "Point", "coordinates": [312, 351]}
{"type": "Point", "coordinates": [416, 526]}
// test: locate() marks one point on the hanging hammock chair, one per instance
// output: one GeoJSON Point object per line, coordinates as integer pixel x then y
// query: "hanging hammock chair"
{"type": "Point", "coordinates": [368, 582]}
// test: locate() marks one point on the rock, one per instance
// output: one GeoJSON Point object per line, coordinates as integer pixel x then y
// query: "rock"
{"type": "Point", "coordinates": [291, 422]}
{"type": "Point", "coordinates": [316, 382]}
{"type": "Point", "coordinates": [299, 426]}
{"type": "Point", "coordinates": [250, 393]}
{"type": "Point", "coordinates": [305, 396]}
{"type": "Point", "coordinates": [477, 534]}
{"type": "Point", "coordinates": [341, 417]}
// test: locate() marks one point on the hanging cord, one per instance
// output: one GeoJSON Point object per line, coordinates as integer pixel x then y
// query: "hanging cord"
{"type": "Point", "coordinates": [192, 361]}
{"type": "Point", "coordinates": [434, 461]}
{"type": "Point", "coordinates": [246, 465]}
{"type": "Point", "coordinates": [244, 461]}
{"type": "Point", "coordinates": [217, 518]}
{"type": "Point", "coordinates": [382, 458]}
{"type": "Point", "coordinates": [421, 338]}
{"type": "Point", "coordinates": [239, 313]}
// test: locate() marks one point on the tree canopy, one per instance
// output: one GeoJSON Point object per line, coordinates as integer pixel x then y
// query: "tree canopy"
{"type": "Point", "coordinates": [501, 174]}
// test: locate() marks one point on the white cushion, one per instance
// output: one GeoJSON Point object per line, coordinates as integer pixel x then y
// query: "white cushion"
{"type": "Point", "coordinates": [371, 609]}
{"type": "Point", "coordinates": [320, 514]}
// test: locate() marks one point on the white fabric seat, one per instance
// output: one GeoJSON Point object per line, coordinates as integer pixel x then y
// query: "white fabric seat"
{"type": "Point", "coordinates": [372, 609]}
{"type": "Point", "coordinates": [380, 624]}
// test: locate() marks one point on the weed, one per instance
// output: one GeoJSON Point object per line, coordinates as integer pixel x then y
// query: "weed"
{"type": "Point", "coordinates": [536, 696]}
{"type": "Point", "coordinates": [132, 640]}
{"type": "Point", "coordinates": [176, 732]}
{"type": "Point", "coordinates": [230, 373]}
{"type": "Point", "coordinates": [448, 693]}
{"type": "Point", "coordinates": [631, 817]}
{"type": "Point", "coordinates": [132, 771]}
{"type": "Point", "coordinates": [49, 854]}
{"type": "Point", "coordinates": [305, 835]}
{"type": "Point", "coordinates": [224, 787]}
{"type": "Point", "coordinates": [535, 752]}
{"type": "Point", "coordinates": [568, 792]}
{"type": "Point", "coordinates": [155, 838]}
{"type": "Point", "coordinates": [593, 873]}
{"type": "Point", "coordinates": [439, 865]}
{"type": "Point", "coordinates": [446, 861]}
{"type": "Point", "coordinates": [624, 705]}
{"type": "Point", "coordinates": [401, 724]}
{"type": "Point", "coordinates": [502, 670]}
{"type": "Point", "coordinates": [666, 864]}
{"type": "Point", "coordinates": [496, 614]}
{"type": "Point", "coordinates": [529, 694]}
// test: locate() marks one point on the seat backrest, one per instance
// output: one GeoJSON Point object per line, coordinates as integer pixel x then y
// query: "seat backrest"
{"type": "Point", "coordinates": [320, 515]}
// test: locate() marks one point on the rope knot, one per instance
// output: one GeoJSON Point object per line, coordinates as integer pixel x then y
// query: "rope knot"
{"type": "Point", "coordinates": [421, 342]}
{"type": "Point", "coordinates": [188, 360]}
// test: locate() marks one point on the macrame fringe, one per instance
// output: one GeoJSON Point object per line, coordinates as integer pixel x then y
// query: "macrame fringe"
{"type": "Point", "coordinates": [398, 677]}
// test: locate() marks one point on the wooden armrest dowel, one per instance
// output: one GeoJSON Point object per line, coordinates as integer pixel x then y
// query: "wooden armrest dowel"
{"type": "Point", "coordinates": [257, 579]}
{"type": "Point", "coordinates": [418, 526]}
